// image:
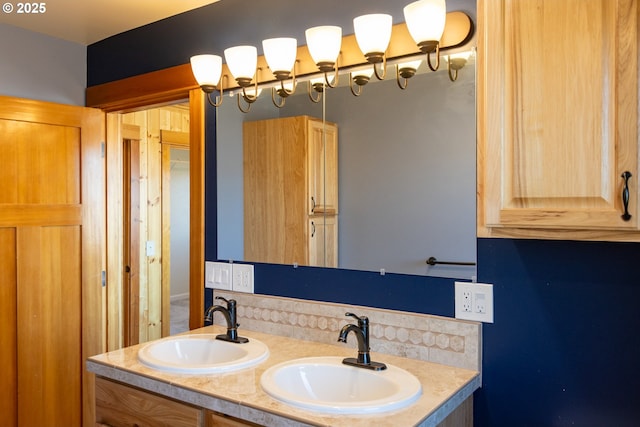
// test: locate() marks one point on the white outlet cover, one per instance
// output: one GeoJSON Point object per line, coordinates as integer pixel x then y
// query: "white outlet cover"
{"type": "Point", "coordinates": [481, 296]}
{"type": "Point", "coordinates": [242, 278]}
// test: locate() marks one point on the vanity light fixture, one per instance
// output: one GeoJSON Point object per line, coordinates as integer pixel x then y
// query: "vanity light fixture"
{"type": "Point", "coordinates": [406, 70]}
{"type": "Point", "coordinates": [282, 91]}
{"type": "Point", "coordinates": [373, 33]}
{"type": "Point", "coordinates": [360, 78]}
{"type": "Point", "coordinates": [425, 20]}
{"type": "Point", "coordinates": [207, 70]}
{"type": "Point", "coordinates": [324, 43]}
{"type": "Point", "coordinates": [315, 85]}
{"type": "Point", "coordinates": [243, 62]}
{"type": "Point", "coordinates": [280, 54]}
{"type": "Point", "coordinates": [455, 62]}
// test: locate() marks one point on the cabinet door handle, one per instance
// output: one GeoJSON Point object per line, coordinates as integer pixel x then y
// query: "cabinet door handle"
{"type": "Point", "coordinates": [625, 195]}
{"type": "Point", "coordinates": [313, 205]}
{"type": "Point", "coordinates": [313, 229]}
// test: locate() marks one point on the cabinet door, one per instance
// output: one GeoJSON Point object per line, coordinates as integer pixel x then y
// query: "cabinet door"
{"type": "Point", "coordinates": [323, 168]}
{"type": "Point", "coordinates": [323, 241]}
{"type": "Point", "coordinates": [557, 114]}
{"type": "Point", "coordinates": [274, 165]}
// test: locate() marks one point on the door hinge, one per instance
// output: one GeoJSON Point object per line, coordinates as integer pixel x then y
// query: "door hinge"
{"type": "Point", "coordinates": [104, 278]}
{"type": "Point", "coordinates": [102, 149]}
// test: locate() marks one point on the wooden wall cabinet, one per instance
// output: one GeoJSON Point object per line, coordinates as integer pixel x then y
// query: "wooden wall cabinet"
{"type": "Point", "coordinates": [557, 118]}
{"type": "Point", "coordinates": [290, 184]}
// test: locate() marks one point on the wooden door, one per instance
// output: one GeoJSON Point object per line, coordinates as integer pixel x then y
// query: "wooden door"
{"type": "Point", "coordinates": [558, 113]}
{"type": "Point", "coordinates": [51, 258]}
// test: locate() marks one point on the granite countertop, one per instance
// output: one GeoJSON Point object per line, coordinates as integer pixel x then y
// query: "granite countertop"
{"type": "Point", "coordinates": [240, 395]}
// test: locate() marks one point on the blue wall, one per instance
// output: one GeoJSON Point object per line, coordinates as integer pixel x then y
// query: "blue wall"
{"type": "Point", "coordinates": [562, 350]}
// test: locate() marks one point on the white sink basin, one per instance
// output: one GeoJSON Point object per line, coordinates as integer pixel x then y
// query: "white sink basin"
{"type": "Point", "coordinates": [201, 354]}
{"type": "Point", "coordinates": [326, 385]}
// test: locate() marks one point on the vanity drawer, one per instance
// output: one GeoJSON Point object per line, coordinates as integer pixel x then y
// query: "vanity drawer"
{"type": "Point", "coordinates": [118, 405]}
{"type": "Point", "coordinates": [216, 419]}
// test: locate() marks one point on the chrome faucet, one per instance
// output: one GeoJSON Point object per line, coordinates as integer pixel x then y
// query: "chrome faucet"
{"type": "Point", "coordinates": [362, 334]}
{"type": "Point", "coordinates": [229, 314]}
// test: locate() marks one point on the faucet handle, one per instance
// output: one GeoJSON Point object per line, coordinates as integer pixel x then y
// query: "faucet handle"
{"type": "Point", "coordinates": [230, 302]}
{"type": "Point", "coordinates": [362, 320]}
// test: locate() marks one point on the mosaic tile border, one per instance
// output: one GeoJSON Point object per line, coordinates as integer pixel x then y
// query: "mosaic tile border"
{"type": "Point", "coordinates": [425, 337]}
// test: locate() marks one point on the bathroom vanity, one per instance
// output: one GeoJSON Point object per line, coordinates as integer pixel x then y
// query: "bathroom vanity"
{"type": "Point", "coordinates": [130, 393]}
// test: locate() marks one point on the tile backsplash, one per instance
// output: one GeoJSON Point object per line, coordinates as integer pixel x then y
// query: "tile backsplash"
{"type": "Point", "coordinates": [425, 337]}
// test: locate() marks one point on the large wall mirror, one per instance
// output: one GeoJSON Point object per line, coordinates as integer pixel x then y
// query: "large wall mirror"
{"type": "Point", "coordinates": [406, 171]}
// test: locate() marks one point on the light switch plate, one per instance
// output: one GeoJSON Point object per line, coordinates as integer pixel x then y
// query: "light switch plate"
{"type": "Point", "coordinates": [217, 275]}
{"type": "Point", "coordinates": [474, 301]}
{"type": "Point", "coordinates": [150, 250]}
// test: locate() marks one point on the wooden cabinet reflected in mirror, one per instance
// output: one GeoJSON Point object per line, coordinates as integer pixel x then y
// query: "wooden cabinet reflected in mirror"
{"type": "Point", "coordinates": [290, 191]}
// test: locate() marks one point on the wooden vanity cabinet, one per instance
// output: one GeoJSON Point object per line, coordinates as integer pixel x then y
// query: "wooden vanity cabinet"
{"type": "Point", "coordinates": [557, 118]}
{"type": "Point", "coordinates": [290, 179]}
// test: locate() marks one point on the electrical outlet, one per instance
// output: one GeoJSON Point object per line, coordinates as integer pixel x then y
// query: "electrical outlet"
{"type": "Point", "coordinates": [217, 275]}
{"type": "Point", "coordinates": [474, 301]}
{"type": "Point", "coordinates": [243, 278]}
{"type": "Point", "coordinates": [466, 301]}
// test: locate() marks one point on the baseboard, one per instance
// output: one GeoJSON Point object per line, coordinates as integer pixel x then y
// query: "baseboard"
{"type": "Point", "coordinates": [179, 296]}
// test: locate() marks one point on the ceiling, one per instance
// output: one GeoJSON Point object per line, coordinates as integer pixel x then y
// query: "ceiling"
{"type": "Point", "coordinates": [89, 21]}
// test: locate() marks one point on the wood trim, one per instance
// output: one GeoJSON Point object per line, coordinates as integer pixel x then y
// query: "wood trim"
{"type": "Point", "coordinates": [9, 326]}
{"type": "Point", "coordinates": [116, 132]}
{"type": "Point", "coordinates": [481, 120]}
{"type": "Point", "coordinates": [131, 233]}
{"type": "Point", "coordinates": [93, 242]}
{"type": "Point", "coordinates": [165, 255]}
{"type": "Point", "coordinates": [170, 84]}
{"type": "Point", "coordinates": [39, 111]}
{"type": "Point", "coordinates": [41, 215]}
{"type": "Point", "coordinates": [196, 213]}
{"type": "Point", "coordinates": [128, 131]}
{"type": "Point", "coordinates": [178, 139]}
{"type": "Point", "coordinates": [157, 87]}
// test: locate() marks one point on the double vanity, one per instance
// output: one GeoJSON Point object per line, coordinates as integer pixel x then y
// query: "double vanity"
{"type": "Point", "coordinates": [293, 371]}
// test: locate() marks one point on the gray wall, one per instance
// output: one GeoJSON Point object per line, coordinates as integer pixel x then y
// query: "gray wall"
{"type": "Point", "coordinates": [407, 172]}
{"type": "Point", "coordinates": [36, 66]}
